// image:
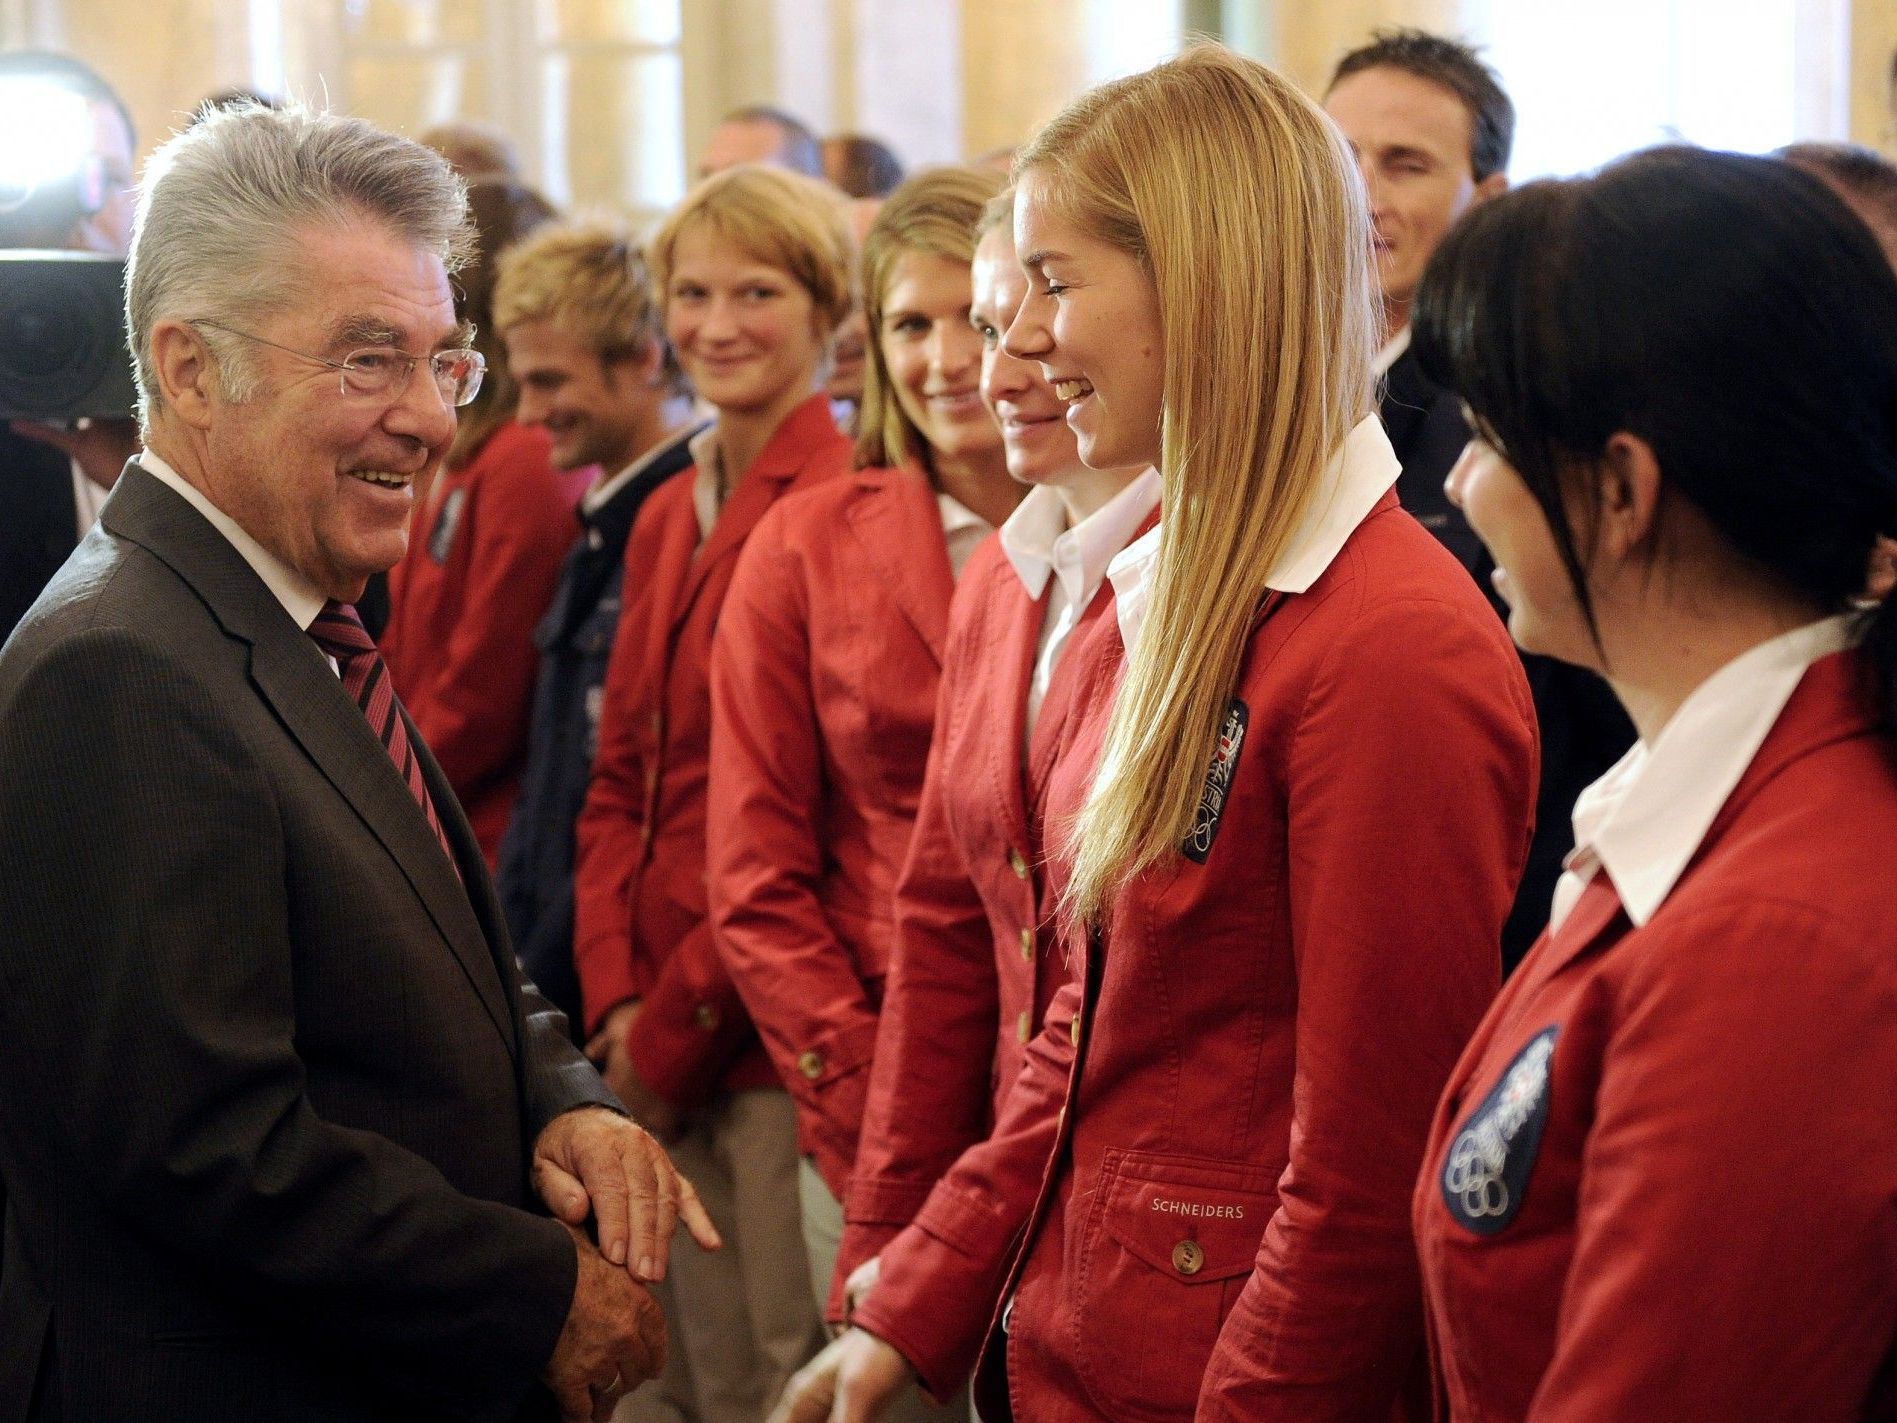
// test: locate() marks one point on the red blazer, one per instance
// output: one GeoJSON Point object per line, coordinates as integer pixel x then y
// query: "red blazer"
{"type": "Point", "coordinates": [480, 569]}
{"type": "Point", "coordinates": [1683, 1206]}
{"type": "Point", "coordinates": [640, 922]}
{"type": "Point", "coordinates": [974, 967]}
{"type": "Point", "coordinates": [1212, 1179]}
{"type": "Point", "coordinates": [823, 696]}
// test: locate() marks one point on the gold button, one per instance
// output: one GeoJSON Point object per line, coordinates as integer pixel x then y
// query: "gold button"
{"type": "Point", "coordinates": [705, 1016]}
{"type": "Point", "coordinates": [1024, 1026]}
{"type": "Point", "coordinates": [1073, 1030]}
{"type": "Point", "coordinates": [1027, 944]}
{"type": "Point", "coordinates": [811, 1065]}
{"type": "Point", "coordinates": [1017, 864]}
{"type": "Point", "coordinates": [1188, 1257]}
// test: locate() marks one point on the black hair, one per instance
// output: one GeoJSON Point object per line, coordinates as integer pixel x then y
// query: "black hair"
{"type": "Point", "coordinates": [867, 167]}
{"type": "Point", "coordinates": [1728, 310]}
{"type": "Point", "coordinates": [1458, 68]}
{"type": "Point", "coordinates": [1856, 172]}
{"type": "Point", "coordinates": [800, 152]}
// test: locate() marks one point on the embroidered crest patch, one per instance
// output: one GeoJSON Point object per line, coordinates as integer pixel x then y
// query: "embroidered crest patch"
{"type": "Point", "coordinates": [441, 537]}
{"type": "Point", "coordinates": [1218, 783]}
{"type": "Point", "coordinates": [1487, 1169]}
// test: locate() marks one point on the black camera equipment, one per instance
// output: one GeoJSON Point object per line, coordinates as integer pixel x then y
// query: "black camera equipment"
{"type": "Point", "coordinates": [62, 337]}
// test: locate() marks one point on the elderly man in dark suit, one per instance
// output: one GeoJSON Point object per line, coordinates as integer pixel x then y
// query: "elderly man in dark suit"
{"type": "Point", "coordinates": [287, 1134]}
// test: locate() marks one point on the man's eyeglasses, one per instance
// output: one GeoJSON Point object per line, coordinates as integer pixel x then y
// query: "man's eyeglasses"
{"type": "Point", "coordinates": [386, 371]}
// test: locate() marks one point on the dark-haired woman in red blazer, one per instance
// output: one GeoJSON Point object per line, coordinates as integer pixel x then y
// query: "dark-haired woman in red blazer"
{"type": "Point", "coordinates": [753, 272]}
{"type": "Point", "coordinates": [1662, 1181]}
{"type": "Point", "coordinates": [824, 684]}
{"type": "Point", "coordinates": [974, 967]}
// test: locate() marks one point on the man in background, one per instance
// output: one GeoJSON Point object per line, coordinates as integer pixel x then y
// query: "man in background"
{"type": "Point", "coordinates": [759, 133]}
{"type": "Point", "coordinates": [54, 478]}
{"type": "Point", "coordinates": [575, 307]}
{"type": "Point", "coordinates": [1431, 127]}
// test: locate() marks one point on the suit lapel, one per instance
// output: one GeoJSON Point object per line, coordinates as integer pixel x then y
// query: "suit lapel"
{"type": "Point", "coordinates": [899, 525]}
{"type": "Point", "coordinates": [296, 680]}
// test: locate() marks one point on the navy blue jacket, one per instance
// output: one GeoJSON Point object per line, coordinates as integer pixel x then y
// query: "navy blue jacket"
{"type": "Point", "coordinates": [575, 639]}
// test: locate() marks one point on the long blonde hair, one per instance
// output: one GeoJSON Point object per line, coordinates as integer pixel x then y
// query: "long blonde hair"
{"type": "Point", "coordinates": [934, 212]}
{"type": "Point", "coordinates": [1242, 201]}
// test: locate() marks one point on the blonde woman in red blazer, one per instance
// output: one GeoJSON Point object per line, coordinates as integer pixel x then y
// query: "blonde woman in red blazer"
{"type": "Point", "coordinates": [824, 684]}
{"type": "Point", "coordinates": [1662, 1181]}
{"type": "Point", "coordinates": [1299, 807]}
{"type": "Point", "coordinates": [973, 968]}
{"type": "Point", "coordinates": [753, 271]}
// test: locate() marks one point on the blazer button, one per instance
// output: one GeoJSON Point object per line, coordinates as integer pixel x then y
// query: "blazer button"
{"type": "Point", "coordinates": [706, 1017]}
{"type": "Point", "coordinates": [1017, 864]}
{"type": "Point", "coordinates": [1188, 1257]}
{"type": "Point", "coordinates": [1073, 1030]}
{"type": "Point", "coordinates": [811, 1065]}
{"type": "Point", "coordinates": [1024, 1026]}
{"type": "Point", "coordinates": [1027, 945]}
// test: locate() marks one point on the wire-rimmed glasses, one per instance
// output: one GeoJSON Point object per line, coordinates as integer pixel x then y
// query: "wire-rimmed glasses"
{"type": "Point", "coordinates": [385, 370]}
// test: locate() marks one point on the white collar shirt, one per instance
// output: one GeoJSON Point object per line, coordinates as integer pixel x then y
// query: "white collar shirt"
{"type": "Point", "coordinates": [1644, 820]}
{"type": "Point", "coordinates": [1041, 547]}
{"type": "Point", "coordinates": [708, 484]}
{"type": "Point", "coordinates": [299, 597]}
{"type": "Point", "coordinates": [962, 531]}
{"type": "Point", "coordinates": [1358, 475]}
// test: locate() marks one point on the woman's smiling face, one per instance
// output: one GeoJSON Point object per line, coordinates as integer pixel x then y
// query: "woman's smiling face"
{"type": "Point", "coordinates": [1090, 318]}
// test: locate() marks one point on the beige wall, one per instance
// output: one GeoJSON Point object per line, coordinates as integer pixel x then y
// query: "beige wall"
{"type": "Point", "coordinates": [939, 78]}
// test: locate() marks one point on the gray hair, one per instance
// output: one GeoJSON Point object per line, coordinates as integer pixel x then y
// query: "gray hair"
{"type": "Point", "coordinates": [221, 207]}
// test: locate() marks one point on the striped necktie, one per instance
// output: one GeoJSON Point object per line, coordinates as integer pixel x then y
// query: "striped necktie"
{"type": "Point", "coordinates": [365, 677]}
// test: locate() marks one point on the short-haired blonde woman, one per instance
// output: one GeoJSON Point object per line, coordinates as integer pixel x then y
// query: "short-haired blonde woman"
{"type": "Point", "coordinates": [1285, 881]}
{"type": "Point", "coordinates": [753, 270]}
{"type": "Point", "coordinates": [824, 683]}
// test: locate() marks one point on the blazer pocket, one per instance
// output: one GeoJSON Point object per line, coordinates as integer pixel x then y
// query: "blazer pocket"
{"type": "Point", "coordinates": [1169, 1243]}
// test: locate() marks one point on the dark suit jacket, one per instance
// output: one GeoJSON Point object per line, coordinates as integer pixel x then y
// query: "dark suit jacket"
{"type": "Point", "coordinates": [38, 523]}
{"type": "Point", "coordinates": [1583, 729]}
{"type": "Point", "coordinates": [269, 1078]}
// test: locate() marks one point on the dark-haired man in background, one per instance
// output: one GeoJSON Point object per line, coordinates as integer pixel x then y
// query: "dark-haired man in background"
{"type": "Point", "coordinates": [1431, 127]}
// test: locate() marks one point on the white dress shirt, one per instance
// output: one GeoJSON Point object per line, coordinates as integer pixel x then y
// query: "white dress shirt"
{"type": "Point", "coordinates": [299, 596]}
{"type": "Point", "coordinates": [1644, 820]}
{"type": "Point", "coordinates": [962, 531]}
{"type": "Point", "coordinates": [1041, 547]}
{"type": "Point", "coordinates": [1357, 476]}
{"type": "Point", "coordinates": [708, 484]}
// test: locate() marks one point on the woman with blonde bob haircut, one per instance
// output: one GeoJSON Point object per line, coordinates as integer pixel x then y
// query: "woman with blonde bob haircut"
{"type": "Point", "coordinates": [753, 276]}
{"type": "Point", "coordinates": [1298, 787]}
{"type": "Point", "coordinates": [824, 684]}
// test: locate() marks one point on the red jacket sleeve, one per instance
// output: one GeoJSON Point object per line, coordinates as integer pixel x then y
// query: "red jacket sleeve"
{"type": "Point", "coordinates": [472, 711]}
{"type": "Point", "coordinates": [1702, 1122]}
{"type": "Point", "coordinates": [942, 1276]}
{"type": "Point", "coordinates": [765, 859]}
{"type": "Point", "coordinates": [929, 1083]}
{"type": "Point", "coordinates": [1415, 754]}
